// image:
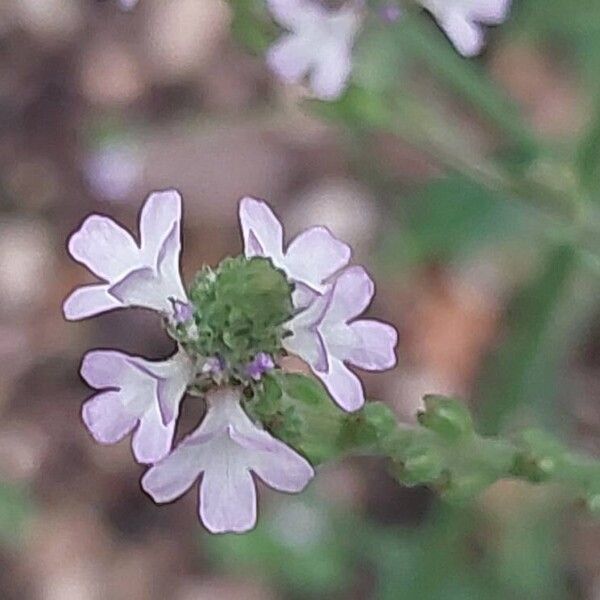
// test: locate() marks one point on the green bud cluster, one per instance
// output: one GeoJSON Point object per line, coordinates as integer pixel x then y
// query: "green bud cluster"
{"type": "Point", "coordinates": [240, 308]}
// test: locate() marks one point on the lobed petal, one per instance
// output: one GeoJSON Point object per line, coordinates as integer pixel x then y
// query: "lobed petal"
{"type": "Point", "coordinates": [331, 71]}
{"type": "Point", "coordinates": [261, 230]}
{"type": "Point", "coordinates": [315, 255]}
{"type": "Point", "coordinates": [228, 499]}
{"type": "Point", "coordinates": [343, 385]}
{"type": "Point", "coordinates": [352, 293]}
{"type": "Point", "coordinates": [275, 463]}
{"type": "Point", "coordinates": [88, 301]}
{"type": "Point", "coordinates": [152, 439]}
{"type": "Point", "coordinates": [375, 345]}
{"type": "Point", "coordinates": [106, 418]}
{"type": "Point", "coordinates": [161, 211]}
{"type": "Point", "coordinates": [173, 475]}
{"type": "Point", "coordinates": [103, 247]}
{"type": "Point", "coordinates": [290, 57]}
{"type": "Point", "coordinates": [466, 35]}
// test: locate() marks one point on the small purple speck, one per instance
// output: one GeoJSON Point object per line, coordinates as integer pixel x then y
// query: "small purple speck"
{"type": "Point", "coordinates": [261, 363]}
{"type": "Point", "coordinates": [182, 311]}
{"type": "Point", "coordinates": [213, 365]}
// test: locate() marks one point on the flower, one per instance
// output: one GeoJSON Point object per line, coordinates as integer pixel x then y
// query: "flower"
{"type": "Point", "coordinates": [146, 275]}
{"type": "Point", "coordinates": [261, 364]}
{"type": "Point", "coordinates": [227, 447]}
{"type": "Point", "coordinates": [135, 394]}
{"type": "Point", "coordinates": [326, 337]}
{"type": "Point", "coordinates": [462, 19]}
{"type": "Point", "coordinates": [310, 259]}
{"type": "Point", "coordinates": [319, 44]}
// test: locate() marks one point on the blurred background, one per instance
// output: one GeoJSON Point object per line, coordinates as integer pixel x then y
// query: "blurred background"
{"type": "Point", "coordinates": [99, 106]}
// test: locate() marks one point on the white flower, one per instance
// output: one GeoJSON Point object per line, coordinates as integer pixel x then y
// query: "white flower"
{"type": "Point", "coordinates": [327, 337]}
{"type": "Point", "coordinates": [462, 20]}
{"type": "Point", "coordinates": [319, 44]}
{"type": "Point", "coordinates": [227, 448]}
{"type": "Point", "coordinates": [145, 275]}
{"type": "Point", "coordinates": [135, 394]}
{"type": "Point", "coordinates": [310, 259]}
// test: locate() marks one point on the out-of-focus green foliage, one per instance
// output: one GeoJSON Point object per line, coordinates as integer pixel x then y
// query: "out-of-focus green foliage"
{"type": "Point", "coordinates": [15, 509]}
{"type": "Point", "coordinates": [449, 218]}
{"type": "Point", "coordinates": [524, 367]}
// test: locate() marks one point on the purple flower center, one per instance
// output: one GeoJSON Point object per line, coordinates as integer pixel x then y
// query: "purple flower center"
{"type": "Point", "coordinates": [261, 363]}
{"type": "Point", "coordinates": [182, 311]}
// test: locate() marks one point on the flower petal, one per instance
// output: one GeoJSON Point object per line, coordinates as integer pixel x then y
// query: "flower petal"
{"type": "Point", "coordinates": [108, 369]}
{"type": "Point", "coordinates": [173, 475]}
{"type": "Point", "coordinates": [262, 231]}
{"type": "Point", "coordinates": [144, 288]}
{"type": "Point", "coordinates": [491, 12]}
{"type": "Point", "coordinates": [329, 77]}
{"type": "Point", "coordinates": [314, 255]}
{"type": "Point", "coordinates": [228, 498]}
{"type": "Point", "coordinates": [106, 417]}
{"type": "Point", "coordinates": [273, 461]}
{"type": "Point", "coordinates": [306, 341]}
{"type": "Point", "coordinates": [351, 295]}
{"type": "Point", "coordinates": [343, 385]}
{"type": "Point", "coordinates": [160, 212]}
{"type": "Point", "coordinates": [104, 247]}
{"type": "Point", "coordinates": [152, 440]}
{"type": "Point", "coordinates": [295, 14]}
{"type": "Point", "coordinates": [374, 349]}
{"type": "Point", "coordinates": [172, 378]}
{"type": "Point", "coordinates": [290, 57]}
{"type": "Point", "coordinates": [89, 300]}
{"type": "Point", "coordinates": [467, 36]}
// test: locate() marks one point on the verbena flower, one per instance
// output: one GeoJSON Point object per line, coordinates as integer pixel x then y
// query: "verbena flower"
{"type": "Point", "coordinates": [231, 327]}
{"type": "Point", "coordinates": [323, 334]}
{"type": "Point", "coordinates": [327, 336]}
{"type": "Point", "coordinates": [318, 44]}
{"type": "Point", "coordinates": [145, 275]}
{"type": "Point", "coordinates": [463, 20]}
{"type": "Point", "coordinates": [135, 394]}
{"type": "Point", "coordinates": [310, 259]}
{"type": "Point", "coordinates": [226, 448]}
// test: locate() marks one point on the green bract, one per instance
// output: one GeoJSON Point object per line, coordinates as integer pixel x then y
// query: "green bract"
{"type": "Point", "coordinates": [239, 311]}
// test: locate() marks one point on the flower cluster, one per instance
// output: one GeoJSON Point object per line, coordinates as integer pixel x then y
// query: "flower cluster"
{"type": "Point", "coordinates": [319, 41]}
{"type": "Point", "coordinates": [232, 327]}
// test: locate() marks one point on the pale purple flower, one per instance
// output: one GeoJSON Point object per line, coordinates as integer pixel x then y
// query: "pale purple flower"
{"type": "Point", "coordinates": [327, 337]}
{"type": "Point", "coordinates": [310, 259]}
{"type": "Point", "coordinates": [227, 448]}
{"type": "Point", "coordinates": [463, 20]}
{"type": "Point", "coordinates": [318, 44]}
{"type": "Point", "coordinates": [135, 394]}
{"type": "Point", "coordinates": [261, 364]}
{"type": "Point", "coordinates": [144, 275]}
